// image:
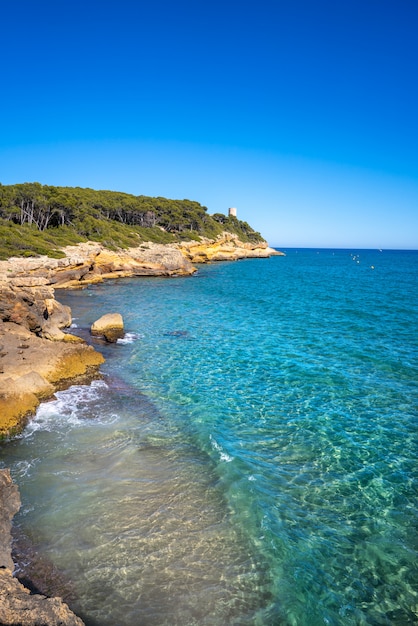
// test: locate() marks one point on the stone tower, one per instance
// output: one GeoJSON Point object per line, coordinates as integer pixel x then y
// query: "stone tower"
{"type": "Point", "coordinates": [232, 212]}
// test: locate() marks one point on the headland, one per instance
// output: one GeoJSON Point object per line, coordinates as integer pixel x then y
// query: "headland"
{"type": "Point", "coordinates": [69, 238]}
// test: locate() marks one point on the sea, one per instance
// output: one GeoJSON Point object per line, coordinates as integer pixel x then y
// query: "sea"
{"type": "Point", "coordinates": [248, 456]}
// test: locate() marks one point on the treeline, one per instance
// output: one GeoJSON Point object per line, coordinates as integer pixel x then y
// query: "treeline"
{"type": "Point", "coordinates": [39, 219]}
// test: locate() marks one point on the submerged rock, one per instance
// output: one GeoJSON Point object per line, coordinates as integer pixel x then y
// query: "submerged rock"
{"type": "Point", "coordinates": [9, 506]}
{"type": "Point", "coordinates": [18, 606]}
{"type": "Point", "coordinates": [177, 333]}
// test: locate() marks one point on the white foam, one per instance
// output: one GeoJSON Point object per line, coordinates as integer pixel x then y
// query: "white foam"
{"type": "Point", "coordinates": [129, 338]}
{"type": "Point", "coordinates": [222, 454]}
{"type": "Point", "coordinates": [70, 407]}
{"type": "Point", "coordinates": [24, 467]}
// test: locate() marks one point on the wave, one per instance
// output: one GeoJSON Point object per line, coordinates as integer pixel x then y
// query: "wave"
{"type": "Point", "coordinates": [129, 338]}
{"type": "Point", "coordinates": [72, 407]}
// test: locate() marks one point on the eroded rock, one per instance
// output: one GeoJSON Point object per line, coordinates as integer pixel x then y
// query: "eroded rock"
{"type": "Point", "coordinates": [9, 506]}
{"type": "Point", "coordinates": [32, 368]}
{"type": "Point", "coordinates": [109, 326]}
{"type": "Point", "coordinates": [226, 247]}
{"type": "Point", "coordinates": [18, 606]}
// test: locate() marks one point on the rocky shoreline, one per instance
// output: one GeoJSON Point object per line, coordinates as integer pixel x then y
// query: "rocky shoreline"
{"type": "Point", "coordinates": [18, 606]}
{"type": "Point", "coordinates": [37, 357]}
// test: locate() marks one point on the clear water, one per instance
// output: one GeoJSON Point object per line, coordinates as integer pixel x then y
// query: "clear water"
{"type": "Point", "coordinates": [249, 457]}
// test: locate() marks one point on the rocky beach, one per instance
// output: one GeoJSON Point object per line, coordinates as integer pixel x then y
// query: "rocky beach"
{"type": "Point", "coordinates": [38, 356]}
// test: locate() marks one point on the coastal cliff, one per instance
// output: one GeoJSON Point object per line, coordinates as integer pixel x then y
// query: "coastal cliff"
{"type": "Point", "coordinates": [92, 262]}
{"type": "Point", "coordinates": [226, 247]}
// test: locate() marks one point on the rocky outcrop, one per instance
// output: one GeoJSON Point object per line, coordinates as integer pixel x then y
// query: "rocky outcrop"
{"type": "Point", "coordinates": [227, 247]}
{"type": "Point", "coordinates": [18, 606]}
{"type": "Point", "coordinates": [34, 308]}
{"type": "Point", "coordinates": [88, 263]}
{"type": "Point", "coordinates": [91, 262]}
{"type": "Point", "coordinates": [109, 326]}
{"type": "Point", "coordinates": [36, 355]}
{"type": "Point", "coordinates": [32, 368]}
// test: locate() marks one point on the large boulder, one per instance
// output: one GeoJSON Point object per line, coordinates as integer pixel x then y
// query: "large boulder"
{"type": "Point", "coordinates": [109, 326]}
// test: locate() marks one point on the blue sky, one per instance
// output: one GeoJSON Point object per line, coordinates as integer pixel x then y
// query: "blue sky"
{"type": "Point", "coordinates": [302, 114]}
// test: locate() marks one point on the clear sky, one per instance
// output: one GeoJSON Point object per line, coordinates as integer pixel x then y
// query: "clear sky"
{"type": "Point", "coordinates": [303, 114]}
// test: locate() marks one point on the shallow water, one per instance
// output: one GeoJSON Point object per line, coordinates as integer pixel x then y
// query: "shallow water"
{"type": "Point", "coordinates": [249, 457]}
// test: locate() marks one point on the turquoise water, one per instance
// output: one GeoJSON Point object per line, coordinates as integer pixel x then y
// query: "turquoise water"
{"type": "Point", "coordinates": [249, 457]}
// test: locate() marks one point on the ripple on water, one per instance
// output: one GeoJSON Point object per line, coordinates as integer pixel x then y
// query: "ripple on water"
{"type": "Point", "coordinates": [133, 517]}
{"type": "Point", "coordinates": [266, 474]}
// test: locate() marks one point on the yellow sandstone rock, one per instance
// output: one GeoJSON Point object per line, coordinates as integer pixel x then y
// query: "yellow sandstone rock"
{"type": "Point", "coordinates": [36, 356]}
{"type": "Point", "coordinates": [32, 368]}
{"type": "Point", "coordinates": [227, 247]}
{"type": "Point", "coordinates": [109, 326]}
